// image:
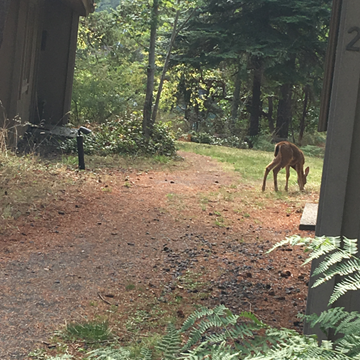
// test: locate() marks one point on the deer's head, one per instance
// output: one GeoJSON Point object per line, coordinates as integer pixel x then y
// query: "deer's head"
{"type": "Point", "coordinates": [302, 178]}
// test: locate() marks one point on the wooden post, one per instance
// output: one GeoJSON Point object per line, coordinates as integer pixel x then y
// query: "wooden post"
{"type": "Point", "coordinates": [339, 205]}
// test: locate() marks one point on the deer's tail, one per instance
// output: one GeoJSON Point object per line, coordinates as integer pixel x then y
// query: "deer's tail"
{"type": "Point", "coordinates": [277, 147]}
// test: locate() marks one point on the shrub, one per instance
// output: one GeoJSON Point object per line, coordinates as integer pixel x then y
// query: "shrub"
{"type": "Point", "coordinates": [312, 150]}
{"type": "Point", "coordinates": [124, 136]}
{"type": "Point", "coordinates": [263, 142]}
{"type": "Point", "coordinates": [230, 141]}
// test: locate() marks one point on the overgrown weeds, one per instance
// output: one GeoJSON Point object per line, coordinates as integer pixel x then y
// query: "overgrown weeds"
{"type": "Point", "coordinates": [8, 127]}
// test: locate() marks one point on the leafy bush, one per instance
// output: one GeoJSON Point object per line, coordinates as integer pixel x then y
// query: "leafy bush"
{"type": "Point", "coordinates": [230, 141]}
{"type": "Point", "coordinates": [263, 142]}
{"type": "Point", "coordinates": [218, 334]}
{"type": "Point", "coordinates": [124, 136]}
{"type": "Point", "coordinates": [311, 150]}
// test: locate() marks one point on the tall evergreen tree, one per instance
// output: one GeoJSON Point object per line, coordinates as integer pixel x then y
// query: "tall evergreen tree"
{"type": "Point", "coordinates": [288, 37]}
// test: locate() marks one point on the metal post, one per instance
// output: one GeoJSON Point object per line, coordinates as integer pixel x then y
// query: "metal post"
{"type": "Point", "coordinates": [80, 147]}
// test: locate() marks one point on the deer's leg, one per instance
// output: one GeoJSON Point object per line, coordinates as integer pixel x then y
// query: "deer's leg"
{"type": "Point", "coordinates": [265, 176]}
{"type": "Point", "coordinates": [287, 177]}
{"type": "Point", "coordinates": [267, 170]}
{"type": "Point", "coordinates": [275, 171]}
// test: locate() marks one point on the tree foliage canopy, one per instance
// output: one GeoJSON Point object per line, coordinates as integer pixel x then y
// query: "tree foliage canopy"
{"type": "Point", "coordinates": [237, 67]}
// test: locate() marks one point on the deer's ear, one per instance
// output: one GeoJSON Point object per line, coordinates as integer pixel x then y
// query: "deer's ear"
{"type": "Point", "coordinates": [307, 171]}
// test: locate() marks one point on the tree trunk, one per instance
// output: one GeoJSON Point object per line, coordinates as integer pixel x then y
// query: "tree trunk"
{"type": "Point", "coordinates": [147, 124]}
{"type": "Point", "coordinates": [269, 115]}
{"type": "Point", "coordinates": [284, 112]}
{"type": "Point", "coordinates": [236, 100]}
{"type": "Point", "coordinates": [256, 101]}
{"type": "Point", "coordinates": [304, 113]}
{"type": "Point", "coordinates": [166, 65]}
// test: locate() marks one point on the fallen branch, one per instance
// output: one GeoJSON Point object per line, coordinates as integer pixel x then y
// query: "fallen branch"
{"type": "Point", "coordinates": [104, 300]}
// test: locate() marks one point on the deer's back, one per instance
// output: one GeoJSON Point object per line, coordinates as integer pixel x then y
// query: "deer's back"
{"type": "Point", "coordinates": [289, 154]}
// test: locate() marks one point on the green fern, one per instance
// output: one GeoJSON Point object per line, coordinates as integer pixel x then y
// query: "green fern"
{"type": "Point", "coordinates": [109, 353]}
{"type": "Point", "coordinates": [146, 354]}
{"type": "Point", "coordinates": [215, 352]}
{"type": "Point", "coordinates": [170, 343]}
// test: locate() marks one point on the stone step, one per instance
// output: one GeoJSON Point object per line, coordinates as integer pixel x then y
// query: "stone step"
{"type": "Point", "coordinates": [309, 216]}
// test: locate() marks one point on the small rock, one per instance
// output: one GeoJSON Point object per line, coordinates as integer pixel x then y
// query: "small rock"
{"type": "Point", "coordinates": [285, 274]}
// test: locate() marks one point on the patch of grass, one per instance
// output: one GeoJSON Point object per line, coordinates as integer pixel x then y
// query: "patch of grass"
{"type": "Point", "coordinates": [130, 287]}
{"type": "Point", "coordinates": [190, 281]}
{"type": "Point", "coordinates": [27, 183]}
{"type": "Point", "coordinates": [38, 354]}
{"type": "Point", "coordinates": [176, 201]}
{"type": "Point", "coordinates": [91, 331]}
{"type": "Point", "coordinates": [70, 160]}
{"type": "Point", "coordinates": [149, 342]}
{"type": "Point", "coordinates": [136, 321]}
{"type": "Point", "coordinates": [220, 222]}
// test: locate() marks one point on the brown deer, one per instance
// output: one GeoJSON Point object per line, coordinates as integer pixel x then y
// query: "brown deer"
{"type": "Point", "coordinates": [286, 155]}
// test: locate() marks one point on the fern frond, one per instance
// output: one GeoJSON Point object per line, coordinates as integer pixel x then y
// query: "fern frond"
{"type": "Point", "coordinates": [345, 285]}
{"type": "Point", "coordinates": [291, 345]}
{"type": "Point", "coordinates": [293, 241]}
{"type": "Point", "coordinates": [335, 258]}
{"type": "Point", "coordinates": [198, 314]}
{"type": "Point", "coordinates": [350, 246]}
{"type": "Point", "coordinates": [320, 248]}
{"type": "Point", "coordinates": [349, 345]}
{"type": "Point", "coordinates": [109, 354]}
{"type": "Point", "coordinates": [347, 267]}
{"type": "Point", "coordinates": [170, 343]}
{"type": "Point", "coordinates": [337, 319]}
{"type": "Point", "coordinates": [146, 354]}
{"type": "Point", "coordinates": [215, 352]}
{"type": "Point", "coordinates": [218, 318]}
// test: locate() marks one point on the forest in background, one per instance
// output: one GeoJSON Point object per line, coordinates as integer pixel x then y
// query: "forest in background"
{"type": "Point", "coordinates": [233, 69]}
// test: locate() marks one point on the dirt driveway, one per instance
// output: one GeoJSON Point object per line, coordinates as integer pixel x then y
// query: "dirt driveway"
{"type": "Point", "coordinates": [78, 256]}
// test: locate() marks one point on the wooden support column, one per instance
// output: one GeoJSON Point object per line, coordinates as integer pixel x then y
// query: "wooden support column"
{"type": "Point", "coordinates": [339, 205]}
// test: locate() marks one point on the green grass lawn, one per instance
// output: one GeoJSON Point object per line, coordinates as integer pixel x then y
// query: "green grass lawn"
{"type": "Point", "coordinates": [251, 164]}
